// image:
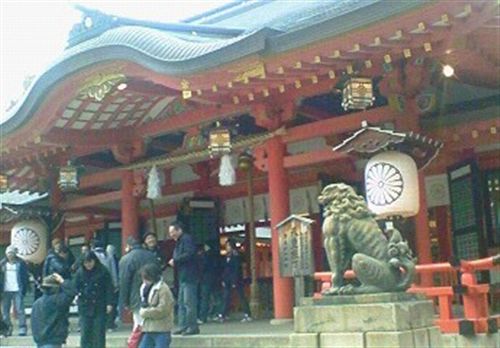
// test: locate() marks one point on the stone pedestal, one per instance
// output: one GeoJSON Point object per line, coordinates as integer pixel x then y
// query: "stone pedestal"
{"type": "Point", "coordinates": [366, 321]}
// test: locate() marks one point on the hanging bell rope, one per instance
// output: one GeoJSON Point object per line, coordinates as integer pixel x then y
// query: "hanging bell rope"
{"type": "Point", "coordinates": [196, 156]}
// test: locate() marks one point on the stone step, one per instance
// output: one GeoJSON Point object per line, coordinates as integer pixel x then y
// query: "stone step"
{"type": "Point", "coordinates": [199, 341]}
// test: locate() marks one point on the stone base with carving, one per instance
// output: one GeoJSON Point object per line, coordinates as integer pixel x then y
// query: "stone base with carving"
{"type": "Point", "coordinates": [366, 321]}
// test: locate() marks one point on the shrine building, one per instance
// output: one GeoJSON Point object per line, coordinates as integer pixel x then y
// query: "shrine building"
{"type": "Point", "coordinates": [250, 100]}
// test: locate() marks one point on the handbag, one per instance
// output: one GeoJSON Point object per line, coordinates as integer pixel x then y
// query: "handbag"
{"type": "Point", "coordinates": [135, 337]}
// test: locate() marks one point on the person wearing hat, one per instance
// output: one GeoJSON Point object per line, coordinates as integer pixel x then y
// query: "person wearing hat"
{"type": "Point", "coordinates": [50, 312]}
{"type": "Point", "coordinates": [130, 277]}
{"type": "Point", "coordinates": [14, 283]}
{"type": "Point", "coordinates": [151, 244]}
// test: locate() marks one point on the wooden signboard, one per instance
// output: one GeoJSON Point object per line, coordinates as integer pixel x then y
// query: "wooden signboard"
{"type": "Point", "coordinates": [295, 247]}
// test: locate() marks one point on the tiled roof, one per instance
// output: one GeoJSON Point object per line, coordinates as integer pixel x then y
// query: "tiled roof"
{"type": "Point", "coordinates": [205, 41]}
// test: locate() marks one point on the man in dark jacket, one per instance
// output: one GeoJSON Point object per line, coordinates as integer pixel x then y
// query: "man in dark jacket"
{"type": "Point", "coordinates": [58, 261]}
{"type": "Point", "coordinates": [49, 314]}
{"type": "Point", "coordinates": [151, 244]}
{"type": "Point", "coordinates": [232, 278]}
{"type": "Point", "coordinates": [130, 277]}
{"type": "Point", "coordinates": [185, 260]}
{"type": "Point", "coordinates": [95, 298]}
{"type": "Point", "coordinates": [14, 283]}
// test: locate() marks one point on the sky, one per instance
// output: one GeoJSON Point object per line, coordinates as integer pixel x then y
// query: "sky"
{"type": "Point", "coordinates": [33, 33]}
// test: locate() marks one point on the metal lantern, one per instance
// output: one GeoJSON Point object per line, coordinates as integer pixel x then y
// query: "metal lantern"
{"type": "Point", "coordinates": [219, 141]}
{"type": "Point", "coordinates": [68, 178]}
{"type": "Point", "coordinates": [4, 183]}
{"type": "Point", "coordinates": [357, 94]}
{"type": "Point", "coordinates": [245, 161]}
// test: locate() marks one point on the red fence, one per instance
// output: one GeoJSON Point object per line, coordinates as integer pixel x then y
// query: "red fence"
{"type": "Point", "coordinates": [456, 285]}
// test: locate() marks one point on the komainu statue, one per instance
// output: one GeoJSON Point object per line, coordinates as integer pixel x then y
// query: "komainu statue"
{"type": "Point", "coordinates": [353, 239]}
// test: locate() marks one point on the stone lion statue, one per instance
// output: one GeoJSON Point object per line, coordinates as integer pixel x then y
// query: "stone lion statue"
{"type": "Point", "coordinates": [353, 240]}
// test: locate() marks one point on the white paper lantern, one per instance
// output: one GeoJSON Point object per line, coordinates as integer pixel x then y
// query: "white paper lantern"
{"type": "Point", "coordinates": [391, 182]}
{"type": "Point", "coordinates": [30, 239]}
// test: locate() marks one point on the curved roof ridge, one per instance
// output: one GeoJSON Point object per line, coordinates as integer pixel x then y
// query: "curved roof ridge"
{"type": "Point", "coordinates": [95, 22]}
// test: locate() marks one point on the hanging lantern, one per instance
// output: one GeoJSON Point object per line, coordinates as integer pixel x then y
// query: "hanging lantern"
{"type": "Point", "coordinates": [154, 184]}
{"type": "Point", "coordinates": [227, 174]}
{"type": "Point", "coordinates": [219, 141]}
{"type": "Point", "coordinates": [357, 94]}
{"type": "Point", "coordinates": [4, 183]}
{"type": "Point", "coordinates": [30, 238]}
{"type": "Point", "coordinates": [68, 177]}
{"type": "Point", "coordinates": [391, 182]}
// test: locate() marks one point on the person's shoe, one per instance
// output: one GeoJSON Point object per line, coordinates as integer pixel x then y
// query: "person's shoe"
{"type": "Point", "coordinates": [200, 322]}
{"type": "Point", "coordinates": [178, 332]}
{"type": "Point", "coordinates": [22, 331]}
{"type": "Point", "coordinates": [246, 319]}
{"type": "Point", "coordinates": [190, 332]}
{"type": "Point", "coordinates": [220, 318]}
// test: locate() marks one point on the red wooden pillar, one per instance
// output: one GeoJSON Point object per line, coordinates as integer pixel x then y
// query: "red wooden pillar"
{"type": "Point", "coordinates": [444, 233]}
{"type": "Point", "coordinates": [130, 206]}
{"type": "Point", "coordinates": [56, 196]}
{"type": "Point", "coordinates": [423, 235]}
{"type": "Point", "coordinates": [279, 209]}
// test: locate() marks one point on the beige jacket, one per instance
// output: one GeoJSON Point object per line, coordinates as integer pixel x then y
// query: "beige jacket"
{"type": "Point", "coordinates": [159, 314]}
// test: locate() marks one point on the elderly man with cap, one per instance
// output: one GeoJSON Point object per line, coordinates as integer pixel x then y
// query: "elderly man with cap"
{"type": "Point", "coordinates": [14, 283]}
{"type": "Point", "coordinates": [49, 314]}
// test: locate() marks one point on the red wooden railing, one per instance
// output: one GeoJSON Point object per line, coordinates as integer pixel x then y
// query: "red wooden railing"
{"type": "Point", "coordinates": [455, 281]}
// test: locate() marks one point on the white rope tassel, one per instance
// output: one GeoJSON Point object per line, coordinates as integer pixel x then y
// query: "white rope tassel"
{"type": "Point", "coordinates": [227, 174]}
{"type": "Point", "coordinates": [154, 184]}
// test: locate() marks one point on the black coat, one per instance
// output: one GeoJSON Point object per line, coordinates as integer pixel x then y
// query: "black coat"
{"type": "Point", "coordinates": [186, 259]}
{"type": "Point", "coordinates": [130, 278]}
{"type": "Point", "coordinates": [232, 274]}
{"type": "Point", "coordinates": [56, 264]}
{"type": "Point", "coordinates": [22, 275]}
{"type": "Point", "coordinates": [95, 290]}
{"type": "Point", "coordinates": [49, 315]}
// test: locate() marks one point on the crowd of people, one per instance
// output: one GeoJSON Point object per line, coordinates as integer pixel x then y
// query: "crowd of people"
{"type": "Point", "coordinates": [106, 288]}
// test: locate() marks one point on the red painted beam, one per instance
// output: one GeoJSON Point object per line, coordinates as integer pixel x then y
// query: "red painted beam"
{"type": "Point", "coordinates": [90, 201]}
{"type": "Point", "coordinates": [314, 157]}
{"type": "Point", "coordinates": [112, 213]}
{"type": "Point", "coordinates": [189, 119]}
{"type": "Point", "coordinates": [340, 124]}
{"type": "Point", "coordinates": [89, 138]}
{"type": "Point", "coordinates": [92, 180]}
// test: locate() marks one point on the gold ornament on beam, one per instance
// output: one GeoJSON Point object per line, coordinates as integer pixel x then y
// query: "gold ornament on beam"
{"type": "Point", "coordinates": [186, 89]}
{"type": "Point", "coordinates": [4, 183]}
{"type": "Point", "coordinates": [99, 86]}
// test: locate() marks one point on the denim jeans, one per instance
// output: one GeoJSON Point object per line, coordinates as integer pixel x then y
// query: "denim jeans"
{"type": "Point", "coordinates": [188, 304]}
{"type": "Point", "coordinates": [155, 340]}
{"type": "Point", "coordinates": [17, 297]}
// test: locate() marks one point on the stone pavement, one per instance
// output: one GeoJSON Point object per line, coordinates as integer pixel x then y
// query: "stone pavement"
{"type": "Point", "coordinates": [233, 333]}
